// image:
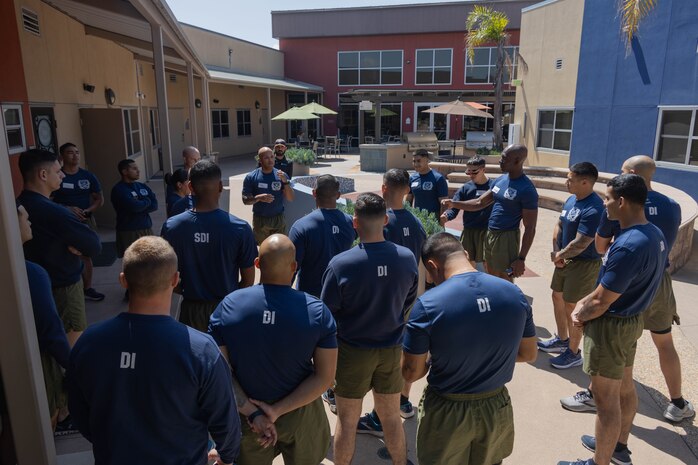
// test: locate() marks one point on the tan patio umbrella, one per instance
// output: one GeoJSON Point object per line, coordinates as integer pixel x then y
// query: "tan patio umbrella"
{"type": "Point", "coordinates": [295, 114]}
{"type": "Point", "coordinates": [460, 108]}
{"type": "Point", "coordinates": [318, 109]}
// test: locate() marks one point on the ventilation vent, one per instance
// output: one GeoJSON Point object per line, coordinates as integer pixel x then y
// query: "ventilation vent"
{"type": "Point", "coordinates": [30, 21]}
{"type": "Point", "coordinates": [173, 78]}
{"type": "Point", "coordinates": [558, 64]}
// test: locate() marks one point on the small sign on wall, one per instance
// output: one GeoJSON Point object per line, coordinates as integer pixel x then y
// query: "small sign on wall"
{"type": "Point", "coordinates": [366, 105]}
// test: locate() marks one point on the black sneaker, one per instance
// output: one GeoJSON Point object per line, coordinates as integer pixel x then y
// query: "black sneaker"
{"type": "Point", "coordinates": [328, 397]}
{"type": "Point", "coordinates": [65, 427]}
{"type": "Point", "coordinates": [91, 294]}
{"type": "Point", "coordinates": [369, 425]}
{"type": "Point", "coordinates": [619, 457]}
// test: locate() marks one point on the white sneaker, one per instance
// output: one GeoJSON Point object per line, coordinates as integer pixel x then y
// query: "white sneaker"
{"type": "Point", "coordinates": [580, 402]}
{"type": "Point", "coordinates": [673, 413]}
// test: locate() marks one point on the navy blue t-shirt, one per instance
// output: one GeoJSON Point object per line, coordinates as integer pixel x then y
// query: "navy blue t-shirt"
{"type": "Point", "coordinates": [581, 216]}
{"type": "Point", "coordinates": [170, 200]}
{"type": "Point", "coordinates": [285, 165]}
{"type": "Point", "coordinates": [188, 202]}
{"type": "Point", "coordinates": [211, 249]}
{"type": "Point", "coordinates": [472, 325]}
{"type": "Point", "coordinates": [49, 327]}
{"type": "Point", "coordinates": [133, 202]}
{"type": "Point", "coordinates": [511, 197]}
{"type": "Point", "coordinates": [55, 228]}
{"type": "Point", "coordinates": [257, 182]}
{"type": "Point", "coordinates": [370, 289]}
{"type": "Point", "coordinates": [318, 237]}
{"type": "Point", "coordinates": [470, 191]}
{"type": "Point", "coordinates": [76, 189]}
{"type": "Point", "coordinates": [271, 332]}
{"type": "Point", "coordinates": [405, 229]}
{"type": "Point", "coordinates": [427, 189]}
{"type": "Point", "coordinates": [633, 267]}
{"type": "Point", "coordinates": [147, 389]}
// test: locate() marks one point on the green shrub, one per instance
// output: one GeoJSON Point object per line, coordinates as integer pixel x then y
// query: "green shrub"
{"type": "Point", "coordinates": [487, 151]}
{"type": "Point", "coordinates": [301, 156]}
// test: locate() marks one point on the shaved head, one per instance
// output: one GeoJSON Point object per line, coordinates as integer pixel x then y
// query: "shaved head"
{"type": "Point", "coordinates": [191, 155]}
{"type": "Point", "coordinates": [517, 150]}
{"type": "Point", "coordinates": [277, 260]}
{"type": "Point", "coordinates": [642, 165]}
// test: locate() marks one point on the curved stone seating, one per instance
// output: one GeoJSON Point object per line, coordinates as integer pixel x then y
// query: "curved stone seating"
{"type": "Point", "coordinates": [552, 193]}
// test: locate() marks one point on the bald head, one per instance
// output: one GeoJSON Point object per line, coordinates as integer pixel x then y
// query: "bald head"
{"type": "Point", "coordinates": [191, 155]}
{"type": "Point", "coordinates": [517, 150]}
{"type": "Point", "coordinates": [642, 165]}
{"type": "Point", "coordinates": [277, 260]}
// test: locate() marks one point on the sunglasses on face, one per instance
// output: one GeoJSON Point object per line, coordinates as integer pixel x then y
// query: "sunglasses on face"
{"type": "Point", "coordinates": [472, 171]}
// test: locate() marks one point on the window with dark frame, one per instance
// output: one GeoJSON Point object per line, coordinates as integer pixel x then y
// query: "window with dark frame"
{"type": "Point", "coordinates": [14, 128]}
{"type": "Point", "coordinates": [484, 66]}
{"type": "Point", "coordinates": [132, 131]}
{"type": "Point", "coordinates": [433, 66]}
{"type": "Point", "coordinates": [378, 68]}
{"type": "Point", "coordinates": [677, 137]}
{"type": "Point", "coordinates": [220, 124]}
{"type": "Point", "coordinates": [555, 129]}
{"type": "Point", "coordinates": [244, 123]}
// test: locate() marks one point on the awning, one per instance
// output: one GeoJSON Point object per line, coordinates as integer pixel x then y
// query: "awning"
{"type": "Point", "coordinates": [229, 77]}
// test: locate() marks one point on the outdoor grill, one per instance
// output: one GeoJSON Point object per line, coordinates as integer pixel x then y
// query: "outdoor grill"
{"type": "Point", "coordinates": [421, 140]}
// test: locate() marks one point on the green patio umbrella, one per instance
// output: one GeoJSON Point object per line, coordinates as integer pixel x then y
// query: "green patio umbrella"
{"type": "Point", "coordinates": [384, 112]}
{"type": "Point", "coordinates": [294, 114]}
{"type": "Point", "coordinates": [318, 109]}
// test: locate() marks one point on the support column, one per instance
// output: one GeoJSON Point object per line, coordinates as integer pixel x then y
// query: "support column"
{"type": "Point", "coordinates": [271, 130]}
{"type": "Point", "coordinates": [161, 88]}
{"type": "Point", "coordinates": [207, 116]}
{"type": "Point", "coordinates": [192, 106]}
{"type": "Point", "coordinates": [19, 350]}
{"type": "Point", "coordinates": [377, 121]}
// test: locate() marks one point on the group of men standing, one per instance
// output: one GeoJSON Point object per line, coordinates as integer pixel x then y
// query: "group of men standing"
{"type": "Point", "coordinates": [354, 321]}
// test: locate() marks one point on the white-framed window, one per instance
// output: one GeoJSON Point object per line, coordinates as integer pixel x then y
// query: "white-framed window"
{"type": "Point", "coordinates": [220, 124]}
{"type": "Point", "coordinates": [132, 131]}
{"type": "Point", "coordinates": [433, 66]}
{"type": "Point", "coordinates": [244, 122]}
{"type": "Point", "coordinates": [484, 66]}
{"type": "Point", "coordinates": [555, 128]}
{"type": "Point", "coordinates": [14, 128]}
{"type": "Point", "coordinates": [677, 136]}
{"type": "Point", "coordinates": [369, 68]}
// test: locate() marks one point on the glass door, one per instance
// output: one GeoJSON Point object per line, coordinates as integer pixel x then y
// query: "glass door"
{"type": "Point", "coordinates": [431, 122]}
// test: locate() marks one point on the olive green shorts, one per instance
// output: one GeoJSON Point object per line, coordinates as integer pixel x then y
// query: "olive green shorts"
{"type": "Point", "coordinates": [576, 280]}
{"type": "Point", "coordinates": [70, 303]}
{"type": "Point", "coordinates": [53, 381]}
{"type": "Point", "coordinates": [125, 238]}
{"type": "Point", "coordinates": [303, 438]}
{"type": "Point", "coordinates": [661, 313]}
{"type": "Point", "coordinates": [265, 226]}
{"type": "Point", "coordinates": [361, 369]}
{"type": "Point", "coordinates": [501, 249]}
{"type": "Point", "coordinates": [196, 313]}
{"type": "Point", "coordinates": [463, 429]}
{"type": "Point", "coordinates": [610, 343]}
{"type": "Point", "coordinates": [473, 241]}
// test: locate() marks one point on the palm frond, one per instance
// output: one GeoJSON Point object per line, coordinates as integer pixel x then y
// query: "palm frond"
{"type": "Point", "coordinates": [632, 12]}
{"type": "Point", "coordinates": [484, 25]}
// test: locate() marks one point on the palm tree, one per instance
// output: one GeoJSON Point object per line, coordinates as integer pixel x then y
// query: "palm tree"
{"type": "Point", "coordinates": [631, 13]}
{"type": "Point", "coordinates": [486, 26]}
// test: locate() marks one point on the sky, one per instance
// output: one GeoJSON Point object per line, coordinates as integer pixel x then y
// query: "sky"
{"type": "Point", "coordinates": [251, 19]}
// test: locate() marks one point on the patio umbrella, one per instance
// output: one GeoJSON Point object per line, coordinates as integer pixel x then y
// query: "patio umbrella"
{"type": "Point", "coordinates": [460, 108]}
{"type": "Point", "coordinates": [318, 109]}
{"type": "Point", "coordinates": [294, 114]}
{"type": "Point", "coordinates": [384, 112]}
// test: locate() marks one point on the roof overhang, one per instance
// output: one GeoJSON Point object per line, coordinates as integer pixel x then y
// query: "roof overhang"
{"type": "Point", "coordinates": [416, 95]}
{"type": "Point", "coordinates": [128, 24]}
{"type": "Point", "coordinates": [229, 77]}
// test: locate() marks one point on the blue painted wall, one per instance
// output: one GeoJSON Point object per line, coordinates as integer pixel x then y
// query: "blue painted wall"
{"type": "Point", "coordinates": [618, 94]}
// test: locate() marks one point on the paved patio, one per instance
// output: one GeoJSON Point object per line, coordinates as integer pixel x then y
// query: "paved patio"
{"type": "Point", "coordinates": [545, 433]}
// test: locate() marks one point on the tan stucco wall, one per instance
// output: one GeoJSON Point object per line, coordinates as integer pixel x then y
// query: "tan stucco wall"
{"type": "Point", "coordinates": [548, 33]}
{"type": "Point", "coordinates": [247, 58]}
{"type": "Point", "coordinates": [232, 98]}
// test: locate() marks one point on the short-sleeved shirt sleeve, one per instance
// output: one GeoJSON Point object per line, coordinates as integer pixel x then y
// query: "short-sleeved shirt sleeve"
{"type": "Point", "coordinates": [328, 328]}
{"type": "Point", "coordinates": [331, 293]}
{"type": "Point", "coordinates": [619, 269]}
{"type": "Point", "coordinates": [418, 330]}
{"type": "Point", "coordinates": [529, 201]}
{"type": "Point", "coordinates": [607, 228]}
{"type": "Point", "coordinates": [442, 186]}
{"type": "Point", "coordinates": [589, 222]}
{"type": "Point", "coordinates": [529, 326]}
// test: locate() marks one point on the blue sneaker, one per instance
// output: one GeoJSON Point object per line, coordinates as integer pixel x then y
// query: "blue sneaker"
{"type": "Point", "coordinates": [577, 462]}
{"type": "Point", "coordinates": [567, 360]}
{"type": "Point", "coordinates": [406, 410]}
{"type": "Point", "coordinates": [369, 425]}
{"type": "Point", "coordinates": [621, 457]}
{"type": "Point", "coordinates": [554, 345]}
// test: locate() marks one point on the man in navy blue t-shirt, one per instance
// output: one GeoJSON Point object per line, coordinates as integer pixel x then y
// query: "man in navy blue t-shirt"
{"type": "Point", "coordinates": [576, 261]}
{"type": "Point", "coordinates": [81, 192]}
{"type": "Point", "coordinates": [60, 238]}
{"type": "Point", "coordinates": [370, 289]}
{"type": "Point", "coordinates": [133, 202]}
{"type": "Point", "coordinates": [467, 333]}
{"type": "Point", "coordinates": [144, 388]}
{"type": "Point", "coordinates": [265, 189]}
{"type": "Point", "coordinates": [403, 227]}
{"type": "Point", "coordinates": [474, 223]}
{"type": "Point", "coordinates": [515, 201]}
{"type": "Point", "coordinates": [282, 346]}
{"type": "Point", "coordinates": [320, 235]}
{"type": "Point", "coordinates": [215, 250]}
{"type": "Point", "coordinates": [427, 187]}
{"type": "Point", "coordinates": [612, 320]}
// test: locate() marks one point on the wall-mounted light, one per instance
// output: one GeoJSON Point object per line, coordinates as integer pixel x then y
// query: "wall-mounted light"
{"type": "Point", "coordinates": [88, 87]}
{"type": "Point", "coordinates": [409, 62]}
{"type": "Point", "coordinates": [197, 103]}
{"type": "Point", "coordinates": [256, 104]}
{"type": "Point", "coordinates": [215, 100]}
{"type": "Point", "coordinates": [408, 121]}
{"type": "Point", "coordinates": [110, 96]}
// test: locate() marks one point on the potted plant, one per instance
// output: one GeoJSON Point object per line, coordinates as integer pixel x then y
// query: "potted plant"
{"type": "Point", "coordinates": [303, 159]}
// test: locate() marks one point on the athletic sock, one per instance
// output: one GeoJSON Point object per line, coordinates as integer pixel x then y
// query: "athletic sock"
{"type": "Point", "coordinates": [680, 402]}
{"type": "Point", "coordinates": [403, 399]}
{"type": "Point", "coordinates": [620, 447]}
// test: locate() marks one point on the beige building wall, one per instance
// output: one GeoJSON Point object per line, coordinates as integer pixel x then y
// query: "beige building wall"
{"type": "Point", "coordinates": [245, 58]}
{"type": "Point", "coordinates": [549, 32]}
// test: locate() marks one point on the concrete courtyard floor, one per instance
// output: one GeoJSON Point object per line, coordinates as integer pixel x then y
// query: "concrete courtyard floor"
{"type": "Point", "coordinates": [545, 433]}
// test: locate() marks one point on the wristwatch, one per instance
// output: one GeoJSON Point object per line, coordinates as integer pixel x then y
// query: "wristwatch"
{"type": "Point", "coordinates": [253, 415]}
